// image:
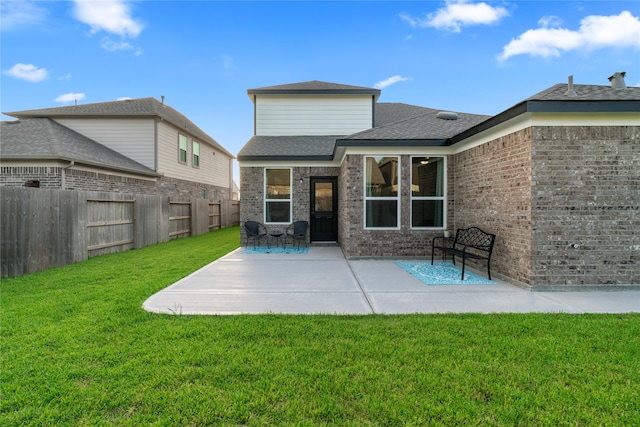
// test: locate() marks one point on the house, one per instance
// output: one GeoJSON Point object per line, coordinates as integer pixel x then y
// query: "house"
{"type": "Point", "coordinates": [130, 146]}
{"type": "Point", "coordinates": [556, 177]}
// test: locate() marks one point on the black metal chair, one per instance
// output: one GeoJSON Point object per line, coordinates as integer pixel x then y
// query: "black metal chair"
{"type": "Point", "coordinates": [297, 232]}
{"type": "Point", "coordinates": [255, 231]}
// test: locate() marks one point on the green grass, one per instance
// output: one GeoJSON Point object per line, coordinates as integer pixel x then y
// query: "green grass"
{"type": "Point", "coordinates": [77, 349]}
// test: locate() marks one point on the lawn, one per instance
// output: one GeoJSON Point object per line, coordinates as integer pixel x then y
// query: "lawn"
{"type": "Point", "coordinates": [77, 349]}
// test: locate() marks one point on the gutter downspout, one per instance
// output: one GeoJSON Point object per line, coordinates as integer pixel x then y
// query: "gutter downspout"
{"type": "Point", "coordinates": [231, 179]}
{"type": "Point", "coordinates": [63, 175]}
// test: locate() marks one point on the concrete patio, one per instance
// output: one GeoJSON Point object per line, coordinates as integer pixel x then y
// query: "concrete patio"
{"type": "Point", "coordinates": [322, 281]}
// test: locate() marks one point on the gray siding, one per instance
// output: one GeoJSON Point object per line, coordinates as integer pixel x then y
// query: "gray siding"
{"type": "Point", "coordinates": [312, 115]}
{"type": "Point", "coordinates": [134, 138]}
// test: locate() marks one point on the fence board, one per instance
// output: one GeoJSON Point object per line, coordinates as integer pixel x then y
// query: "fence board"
{"type": "Point", "coordinates": [42, 228]}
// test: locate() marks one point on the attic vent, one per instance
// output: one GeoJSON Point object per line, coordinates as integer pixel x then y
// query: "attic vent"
{"type": "Point", "coordinates": [447, 115]}
{"type": "Point", "coordinates": [617, 80]}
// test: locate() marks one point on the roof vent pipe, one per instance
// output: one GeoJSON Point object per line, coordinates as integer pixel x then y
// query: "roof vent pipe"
{"type": "Point", "coordinates": [570, 90]}
{"type": "Point", "coordinates": [617, 80]}
{"type": "Point", "coordinates": [162, 97]}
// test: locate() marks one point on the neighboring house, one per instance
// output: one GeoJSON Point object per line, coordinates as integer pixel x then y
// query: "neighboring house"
{"type": "Point", "coordinates": [130, 146]}
{"type": "Point", "coordinates": [556, 177]}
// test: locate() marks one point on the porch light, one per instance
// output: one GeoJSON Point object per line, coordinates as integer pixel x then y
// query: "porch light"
{"type": "Point", "coordinates": [301, 180]}
{"type": "Point", "coordinates": [425, 161]}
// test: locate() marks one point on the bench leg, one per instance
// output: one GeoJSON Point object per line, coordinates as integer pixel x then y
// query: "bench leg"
{"type": "Point", "coordinates": [489, 268]}
{"type": "Point", "coordinates": [463, 265]}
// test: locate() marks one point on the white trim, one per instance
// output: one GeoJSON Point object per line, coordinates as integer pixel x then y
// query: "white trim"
{"type": "Point", "coordinates": [265, 200]}
{"type": "Point", "coordinates": [500, 130]}
{"type": "Point", "coordinates": [366, 198]}
{"type": "Point", "coordinates": [527, 120]}
{"type": "Point", "coordinates": [283, 164]}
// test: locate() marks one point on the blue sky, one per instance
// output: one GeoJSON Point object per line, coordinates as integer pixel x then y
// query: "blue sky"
{"type": "Point", "coordinates": [468, 56]}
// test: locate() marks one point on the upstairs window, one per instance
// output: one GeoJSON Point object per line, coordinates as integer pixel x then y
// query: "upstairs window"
{"type": "Point", "coordinates": [428, 189]}
{"type": "Point", "coordinates": [277, 203]}
{"type": "Point", "coordinates": [381, 192]}
{"type": "Point", "coordinates": [182, 148]}
{"type": "Point", "coordinates": [196, 154]}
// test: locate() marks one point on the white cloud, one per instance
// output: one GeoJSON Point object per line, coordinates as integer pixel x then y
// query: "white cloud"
{"type": "Point", "coordinates": [595, 32]}
{"type": "Point", "coordinates": [227, 61]}
{"type": "Point", "coordinates": [17, 14]}
{"type": "Point", "coordinates": [457, 14]}
{"type": "Point", "coordinates": [550, 21]}
{"type": "Point", "coordinates": [390, 81]}
{"type": "Point", "coordinates": [109, 15]}
{"type": "Point", "coordinates": [111, 46]}
{"type": "Point", "coordinates": [114, 46]}
{"type": "Point", "coordinates": [69, 97]}
{"type": "Point", "coordinates": [28, 72]}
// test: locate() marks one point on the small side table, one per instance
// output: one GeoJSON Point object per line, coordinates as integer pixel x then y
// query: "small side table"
{"type": "Point", "coordinates": [277, 236]}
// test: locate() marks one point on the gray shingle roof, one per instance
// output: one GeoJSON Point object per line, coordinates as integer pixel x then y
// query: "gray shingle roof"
{"type": "Point", "coordinates": [558, 92]}
{"type": "Point", "coordinates": [139, 107]}
{"type": "Point", "coordinates": [393, 112]}
{"type": "Point", "coordinates": [314, 87]}
{"type": "Point", "coordinates": [43, 138]}
{"type": "Point", "coordinates": [421, 128]}
{"type": "Point", "coordinates": [288, 148]}
{"type": "Point", "coordinates": [411, 125]}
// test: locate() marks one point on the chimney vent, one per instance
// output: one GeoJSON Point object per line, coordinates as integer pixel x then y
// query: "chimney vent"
{"type": "Point", "coordinates": [570, 90]}
{"type": "Point", "coordinates": [162, 97]}
{"type": "Point", "coordinates": [617, 80]}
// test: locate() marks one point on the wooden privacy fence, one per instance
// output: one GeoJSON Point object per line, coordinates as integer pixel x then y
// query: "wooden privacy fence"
{"type": "Point", "coordinates": [44, 228]}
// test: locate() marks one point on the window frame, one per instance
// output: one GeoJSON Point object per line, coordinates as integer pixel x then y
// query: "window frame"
{"type": "Point", "coordinates": [442, 198]}
{"type": "Point", "coordinates": [186, 148]}
{"type": "Point", "coordinates": [397, 197]}
{"type": "Point", "coordinates": [195, 158]}
{"type": "Point", "coordinates": [266, 193]}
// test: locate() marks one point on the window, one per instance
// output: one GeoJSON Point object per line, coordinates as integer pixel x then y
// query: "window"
{"type": "Point", "coordinates": [203, 192]}
{"type": "Point", "coordinates": [381, 202]}
{"type": "Point", "coordinates": [182, 148]}
{"type": "Point", "coordinates": [428, 189]}
{"type": "Point", "coordinates": [277, 201]}
{"type": "Point", "coordinates": [196, 154]}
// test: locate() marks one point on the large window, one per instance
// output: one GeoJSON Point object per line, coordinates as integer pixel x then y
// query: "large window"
{"type": "Point", "coordinates": [196, 154]}
{"type": "Point", "coordinates": [182, 148]}
{"type": "Point", "coordinates": [277, 203]}
{"type": "Point", "coordinates": [381, 190]}
{"type": "Point", "coordinates": [428, 189]}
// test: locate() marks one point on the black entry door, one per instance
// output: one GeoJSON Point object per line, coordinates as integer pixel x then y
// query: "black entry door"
{"type": "Point", "coordinates": [324, 209]}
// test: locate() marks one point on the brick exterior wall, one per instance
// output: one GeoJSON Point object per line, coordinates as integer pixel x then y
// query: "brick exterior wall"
{"type": "Point", "coordinates": [50, 177]}
{"type": "Point", "coordinates": [539, 190]}
{"type": "Point", "coordinates": [252, 193]}
{"type": "Point", "coordinates": [357, 242]}
{"type": "Point", "coordinates": [492, 190]}
{"type": "Point", "coordinates": [586, 190]}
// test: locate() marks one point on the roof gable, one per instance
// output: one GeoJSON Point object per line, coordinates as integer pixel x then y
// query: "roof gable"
{"type": "Point", "coordinates": [314, 87]}
{"type": "Point", "coordinates": [139, 107]}
{"type": "Point", "coordinates": [43, 138]}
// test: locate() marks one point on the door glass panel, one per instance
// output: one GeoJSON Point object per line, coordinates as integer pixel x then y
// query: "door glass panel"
{"type": "Point", "coordinates": [323, 196]}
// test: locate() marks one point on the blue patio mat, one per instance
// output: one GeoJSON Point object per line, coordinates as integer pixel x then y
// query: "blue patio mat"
{"type": "Point", "coordinates": [275, 250]}
{"type": "Point", "coordinates": [442, 273]}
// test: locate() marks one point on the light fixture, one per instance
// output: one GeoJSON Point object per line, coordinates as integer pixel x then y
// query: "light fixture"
{"type": "Point", "coordinates": [425, 161]}
{"type": "Point", "coordinates": [301, 180]}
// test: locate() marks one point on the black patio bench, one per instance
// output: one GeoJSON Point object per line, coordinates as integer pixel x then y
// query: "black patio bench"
{"type": "Point", "coordinates": [469, 243]}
